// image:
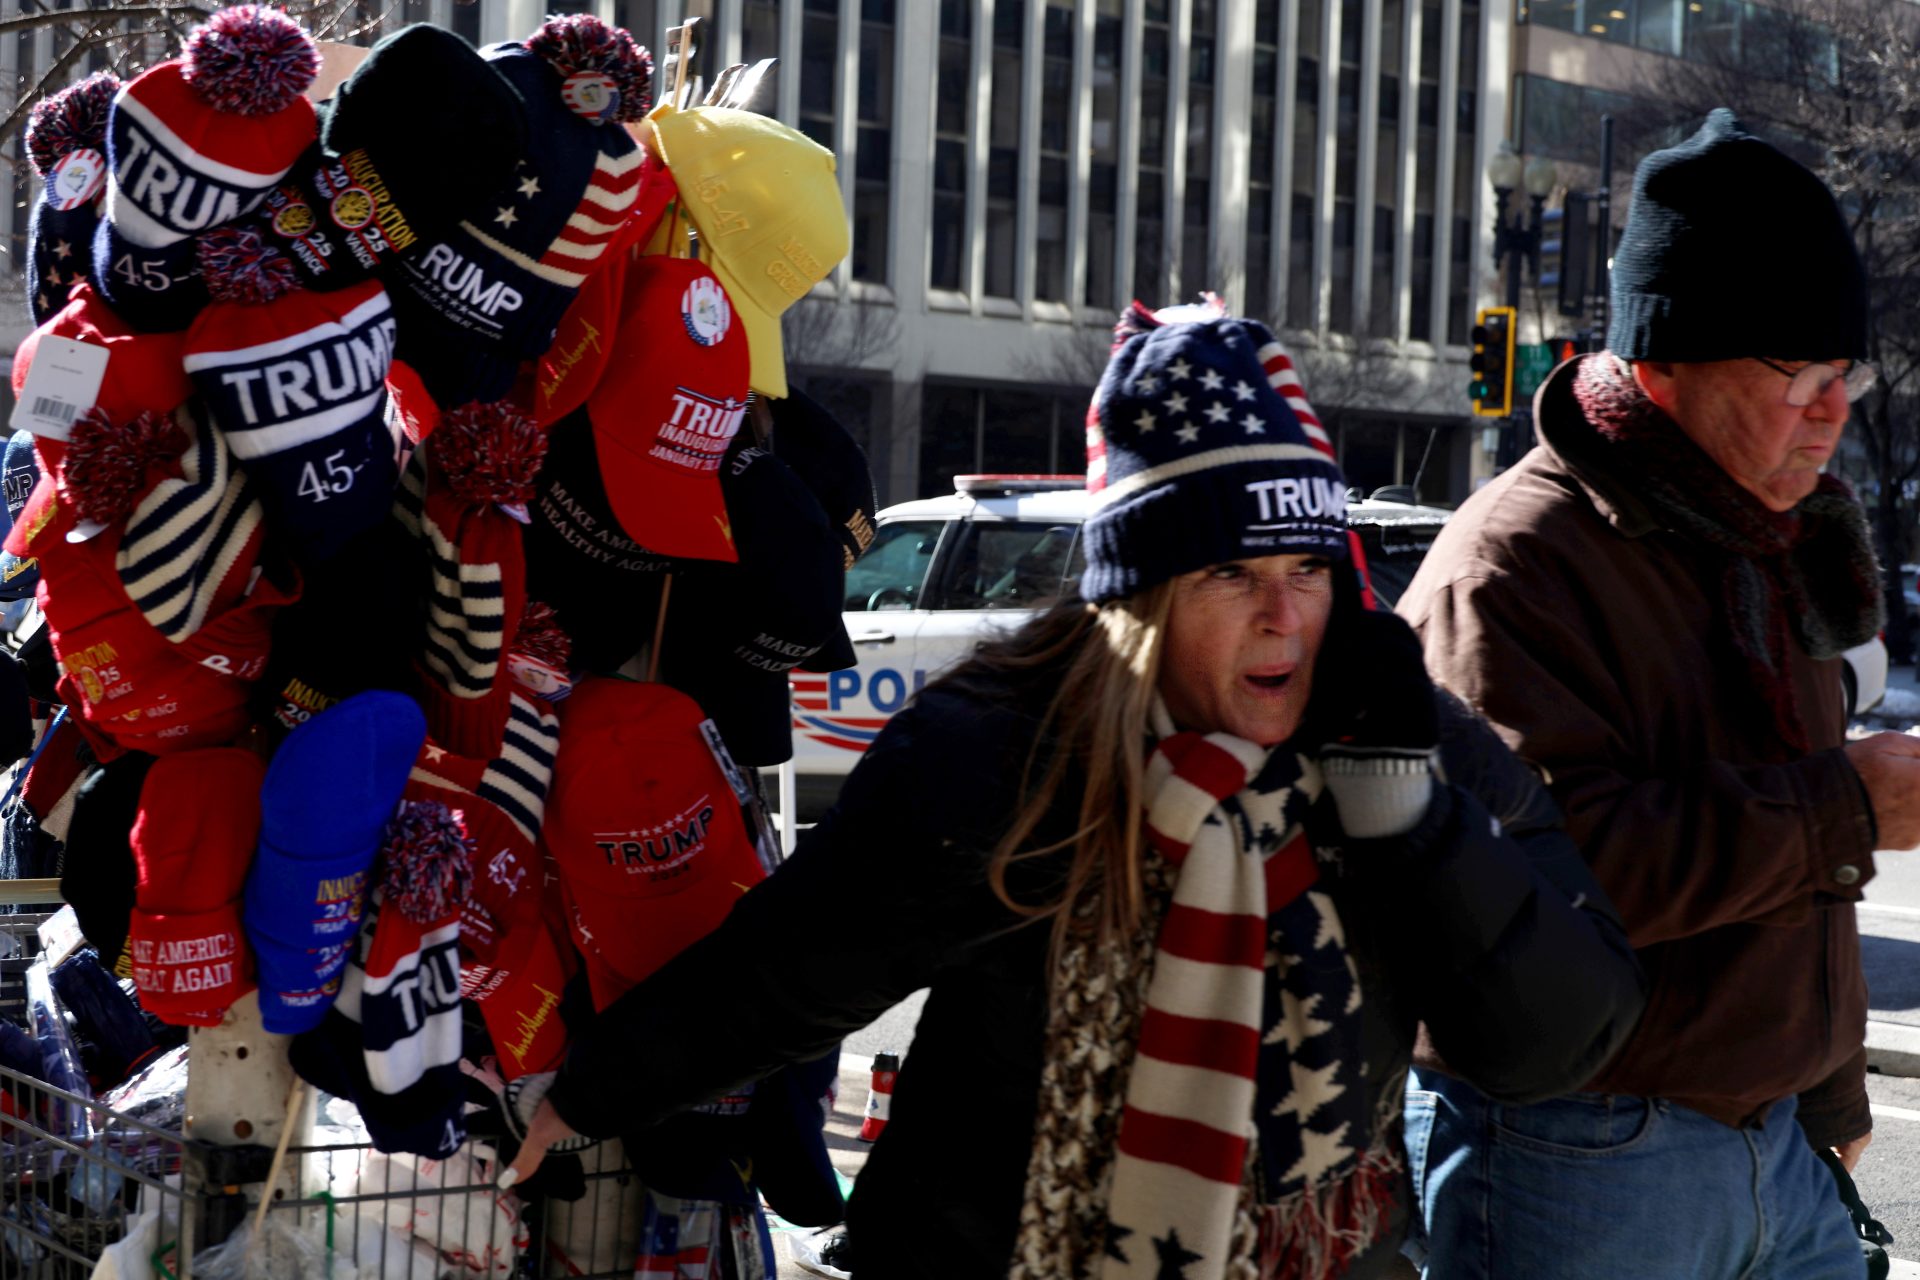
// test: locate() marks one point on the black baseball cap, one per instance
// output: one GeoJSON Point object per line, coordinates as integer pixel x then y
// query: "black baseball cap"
{"type": "Point", "coordinates": [604, 586]}
{"type": "Point", "coordinates": [834, 468]}
{"type": "Point", "coordinates": [734, 631]}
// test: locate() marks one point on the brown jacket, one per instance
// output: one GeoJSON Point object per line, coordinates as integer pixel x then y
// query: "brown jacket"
{"type": "Point", "coordinates": [1556, 604]}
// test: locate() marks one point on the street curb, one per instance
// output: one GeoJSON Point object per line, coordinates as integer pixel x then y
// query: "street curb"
{"type": "Point", "coordinates": [1893, 1048]}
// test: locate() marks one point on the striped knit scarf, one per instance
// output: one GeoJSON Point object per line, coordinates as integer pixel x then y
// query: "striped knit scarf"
{"type": "Point", "coordinates": [1246, 1145]}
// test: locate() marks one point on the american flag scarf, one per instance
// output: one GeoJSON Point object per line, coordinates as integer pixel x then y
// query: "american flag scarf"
{"type": "Point", "coordinates": [1249, 1044]}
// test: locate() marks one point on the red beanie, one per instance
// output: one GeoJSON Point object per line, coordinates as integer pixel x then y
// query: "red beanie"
{"type": "Point", "coordinates": [199, 821]}
{"type": "Point", "coordinates": [160, 620]}
{"type": "Point", "coordinates": [478, 459]}
{"type": "Point", "coordinates": [145, 371]}
{"type": "Point", "coordinates": [503, 802]}
{"type": "Point", "coordinates": [200, 140]}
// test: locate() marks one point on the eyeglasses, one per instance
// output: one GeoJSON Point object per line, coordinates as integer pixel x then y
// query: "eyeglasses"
{"type": "Point", "coordinates": [1807, 384]}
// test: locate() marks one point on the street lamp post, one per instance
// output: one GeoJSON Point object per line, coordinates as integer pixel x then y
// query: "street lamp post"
{"type": "Point", "coordinates": [1517, 242]}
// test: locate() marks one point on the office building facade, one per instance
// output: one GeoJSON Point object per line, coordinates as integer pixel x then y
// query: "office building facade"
{"type": "Point", "coordinates": [1017, 170]}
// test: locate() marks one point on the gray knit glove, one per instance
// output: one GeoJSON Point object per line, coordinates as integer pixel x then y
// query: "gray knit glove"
{"type": "Point", "coordinates": [1379, 767]}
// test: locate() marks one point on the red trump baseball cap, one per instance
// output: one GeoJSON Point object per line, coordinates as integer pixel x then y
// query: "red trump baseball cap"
{"type": "Point", "coordinates": [672, 398]}
{"type": "Point", "coordinates": [644, 827]}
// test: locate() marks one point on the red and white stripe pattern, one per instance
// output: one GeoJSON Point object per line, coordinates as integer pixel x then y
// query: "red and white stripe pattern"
{"type": "Point", "coordinates": [1096, 450]}
{"type": "Point", "coordinates": [1285, 379]}
{"type": "Point", "coordinates": [1189, 1112]}
{"type": "Point", "coordinates": [602, 211]}
{"type": "Point", "coordinates": [596, 220]}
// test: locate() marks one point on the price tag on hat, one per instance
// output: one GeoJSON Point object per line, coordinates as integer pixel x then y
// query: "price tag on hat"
{"type": "Point", "coordinates": [62, 384]}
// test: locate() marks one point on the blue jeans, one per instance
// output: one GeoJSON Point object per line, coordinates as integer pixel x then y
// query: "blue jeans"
{"type": "Point", "coordinates": [1612, 1187]}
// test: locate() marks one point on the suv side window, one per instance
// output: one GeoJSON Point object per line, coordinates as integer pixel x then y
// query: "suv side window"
{"type": "Point", "coordinates": [1007, 564]}
{"type": "Point", "coordinates": [894, 569]}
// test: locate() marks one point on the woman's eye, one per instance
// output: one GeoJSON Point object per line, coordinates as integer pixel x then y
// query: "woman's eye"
{"type": "Point", "coordinates": [1224, 571]}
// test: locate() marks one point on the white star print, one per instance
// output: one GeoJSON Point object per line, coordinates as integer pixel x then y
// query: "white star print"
{"type": "Point", "coordinates": [1319, 1152]}
{"type": "Point", "coordinates": [1217, 412]}
{"type": "Point", "coordinates": [1180, 370]}
{"type": "Point", "coordinates": [530, 187]}
{"type": "Point", "coordinates": [1144, 422]}
{"type": "Point", "coordinates": [41, 298]}
{"type": "Point", "coordinates": [1313, 1088]}
{"type": "Point", "coordinates": [61, 249]}
{"type": "Point", "coordinates": [1243, 391]}
{"type": "Point", "coordinates": [1330, 930]}
{"type": "Point", "coordinates": [1148, 385]}
{"type": "Point", "coordinates": [1254, 426]}
{"type": "Point", "coordinates": [506, 217]}
{"type": "Point", "coordinates": [1212, 380]}
{"type": "Point", "coordinates": [1177, 403]}
{"type": "Point", "coordinates": [1296, 1013]}
{"type": "Point", "coordinates": [435, 754]}
{"type": "Point", "coordinates": [1188, 434]}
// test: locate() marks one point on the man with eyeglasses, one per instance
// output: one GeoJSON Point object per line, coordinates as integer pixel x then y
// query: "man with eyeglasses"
{"type": "Point", "coordinates": [1649, 607]}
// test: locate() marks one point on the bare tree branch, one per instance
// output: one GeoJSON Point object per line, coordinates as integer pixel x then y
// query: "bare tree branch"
{"type": "Point", "coordinates": [67, 17]}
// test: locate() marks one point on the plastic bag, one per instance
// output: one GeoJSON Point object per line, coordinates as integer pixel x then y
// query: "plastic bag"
{"type": "Point", "coordinates": [285, 1251]}
{"type": "Point", "coordinates": [59, 1055]}
{"type": "Point", "coordinates": [477, 1229]}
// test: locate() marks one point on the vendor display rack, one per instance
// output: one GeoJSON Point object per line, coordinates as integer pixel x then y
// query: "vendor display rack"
{"type": "Point", "coordinates": [82, 1180]}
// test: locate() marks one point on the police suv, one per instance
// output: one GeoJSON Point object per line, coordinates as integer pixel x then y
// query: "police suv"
{"type": "Point", "coordinates": [942, 572]}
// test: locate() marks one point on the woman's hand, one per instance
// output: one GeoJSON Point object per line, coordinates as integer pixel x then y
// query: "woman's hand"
{"type": "Point", "coordinates": [1379, 767]}
{"type": "Point", "coordinates": [545, 1129]}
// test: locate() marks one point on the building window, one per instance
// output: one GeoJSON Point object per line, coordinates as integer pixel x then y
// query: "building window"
{"type": "Point", "coordinates": [1003, 149]}
{"type": "Point", "coordinates": [1426, 173]}
{"type": "Point", "coordinates": [1563, 120]}
{"type": "Point", "coordinates": [998, 430]}
{"type": "Point", "coordinates": [1056, 127]}
{"type": "Point", "coordinates": [1103, 185]}
{"type": "Point", "coordinates": [1262, 127]}
{"type": "Point", "coordinates": [873, 148]}
{"type": "Point", "coordinates": [949, 436]}
{"type": "Point", "coordinates": [1150, 196]}
{"type": "Point", "coordinates": [1383, 319]}
{"type": "Point", "coordinates": [466, 21]}
{"type": "Point", "coordinates": [1346, 165]}
{"type": "Point", "coordinates": [1196, 205]}
{"type": "Point", "coordinates": [1466, 175]}
{"type": "Point", "coordinates": [952, 122]}
{"type": "Point", "coordinates": [1303, 302]}
{"type": "Point", "coordinates": [819, 70]}
{"type": "Point", "coordinates": [760, 38]}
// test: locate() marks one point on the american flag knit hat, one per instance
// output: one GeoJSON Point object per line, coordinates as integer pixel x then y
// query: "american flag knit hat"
{"type": "Point", "coordinates": [1202, 448]}
{"type": "Point", "coordinates": [491, 292]}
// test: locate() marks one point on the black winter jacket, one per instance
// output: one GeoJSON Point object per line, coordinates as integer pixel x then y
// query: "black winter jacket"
{"type": "Point", "coordinates": [1492, 933]}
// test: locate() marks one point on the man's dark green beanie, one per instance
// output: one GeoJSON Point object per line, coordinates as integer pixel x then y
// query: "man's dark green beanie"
{"type": "Point", "coordinates": [1733, 249]}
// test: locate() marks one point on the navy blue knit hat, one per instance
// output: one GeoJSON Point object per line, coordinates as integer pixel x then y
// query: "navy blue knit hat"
{"type": "Point", "coordinates": [1733, 249]}
{"type": "Point", "coordinates": [66, 141]}
{"type": "Point", "coordinates": [490, 293]}
{"type": "Point", "coordinates": [1202, 448]}
{"type": "Point", "coordinates": [19, 472]}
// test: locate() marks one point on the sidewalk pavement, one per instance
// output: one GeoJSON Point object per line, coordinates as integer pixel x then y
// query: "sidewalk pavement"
{"type": "Point", "coordinates": [1889, 934]}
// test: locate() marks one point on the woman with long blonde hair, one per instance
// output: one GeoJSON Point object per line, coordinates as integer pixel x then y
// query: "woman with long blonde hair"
{"type": "Point", "coordinates": [1184, 863]}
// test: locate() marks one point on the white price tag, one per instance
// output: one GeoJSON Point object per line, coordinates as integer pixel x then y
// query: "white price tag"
{"type": "Point", "coordinates": [63, 384]}
{"type": "Point", "coordinates": [60, 936]}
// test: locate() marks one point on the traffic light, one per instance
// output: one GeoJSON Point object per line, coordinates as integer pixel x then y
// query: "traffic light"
{"type": "Point", "coordinates": [1492, 363]}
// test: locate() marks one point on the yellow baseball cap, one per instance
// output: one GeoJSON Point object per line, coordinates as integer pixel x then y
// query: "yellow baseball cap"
{"type": "Point", "coordinates": [766, 202]}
